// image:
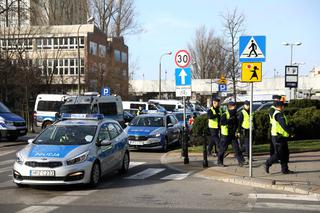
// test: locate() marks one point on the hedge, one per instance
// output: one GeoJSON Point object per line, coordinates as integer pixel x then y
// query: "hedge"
{"type": "Point", "coordinates": [304, 121]}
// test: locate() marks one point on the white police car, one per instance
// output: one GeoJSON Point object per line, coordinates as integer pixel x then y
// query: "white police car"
{"type": "Point", "coordinates": [78, 149]}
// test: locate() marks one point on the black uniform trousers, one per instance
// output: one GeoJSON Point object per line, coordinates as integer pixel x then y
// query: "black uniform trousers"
{"type": "Point", "coordinates": [223, 146]}
{"type": "Point", "coordinates": [214, 140]}
{"type": "Point", "coordinates": [244, 142]}
{"type": "Point", "coordinates": [281, 152]}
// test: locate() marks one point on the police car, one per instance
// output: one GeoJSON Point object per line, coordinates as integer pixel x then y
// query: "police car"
{"type": "Point", "coordinates": [77, 149]}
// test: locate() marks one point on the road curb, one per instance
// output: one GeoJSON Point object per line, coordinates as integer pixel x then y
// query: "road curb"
{"type": "Point", "coordinates": [214, 174]}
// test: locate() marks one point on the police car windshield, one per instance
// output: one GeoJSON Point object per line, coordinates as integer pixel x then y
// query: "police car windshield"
{"type": "Point", "coordinates": [76, 108]}
{"type": "Point", "coordinates": [66, 135]}
{"type": "Point", "coordinates": [3, 108]}
{"type": "Point", "coordinates": [147, 121]}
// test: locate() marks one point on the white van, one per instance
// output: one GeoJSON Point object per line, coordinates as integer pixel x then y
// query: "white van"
{"type": "Point", "coordinates": [46, 107]}
{"type": "Point", "coordinates": [149, 107]}
{"type": "Point", "coordinates": [110, 106]}
{"type": "Point", "coordinates": [169, 105]}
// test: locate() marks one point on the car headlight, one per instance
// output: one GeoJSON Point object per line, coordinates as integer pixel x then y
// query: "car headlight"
{"type": "Point", "coordinates": [10, 123]}
{"type": "Point", "coordinates": [79, 159]}
{"type": "Point", "coordinates": [155, 135]}
{"type": "Point", "coordinates": [19, 159]}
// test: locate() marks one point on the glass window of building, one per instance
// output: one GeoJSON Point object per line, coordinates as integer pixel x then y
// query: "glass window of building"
{"type": "Point", "coordinates": [117, 55]}
{"type": "Point", "coordinates": [124, 57]}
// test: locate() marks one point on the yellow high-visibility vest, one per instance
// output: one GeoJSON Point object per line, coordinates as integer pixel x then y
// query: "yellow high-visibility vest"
{"type": "Point", "coordinates": [213, 123]}
{"type": "Point", "coordinates": [246, 119]}
{"type": "Point", "coordinates": [276, 128]}
{"type": "Point", "coordinates": [224, 128]}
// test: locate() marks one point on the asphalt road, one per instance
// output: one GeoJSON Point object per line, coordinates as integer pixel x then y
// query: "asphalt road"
{"type": "Point", "coordinates": [148, 187]}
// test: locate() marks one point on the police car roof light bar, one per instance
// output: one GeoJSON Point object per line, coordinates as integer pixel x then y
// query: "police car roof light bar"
{"type": "Point", "coordinates": [68, 116]}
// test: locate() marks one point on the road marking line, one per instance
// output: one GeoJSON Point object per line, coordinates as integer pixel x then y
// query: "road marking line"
{"type": "Point", "coordinates": [6, 162]}
{"type": "Point", "coordinates": [2, 153]}
{"type": "Point", "coordinates": [176, 176]}
{"type": "Point", "coordinates": [6, 169]}
{"type": "Point", "coordinates": [80, 193]}
{"type": "Point", "coordinates": [284, 197]}
{"type": "Point", "coordinates": [145, 174]}
{"type": "Point", "coordinates": [134, 164]}
{"type": "Point", "coordinates": [36, 209]}
{"type": "Point", "coordinates": [286, 206]}
{"type": "Point", "coordinates": [60, 200]}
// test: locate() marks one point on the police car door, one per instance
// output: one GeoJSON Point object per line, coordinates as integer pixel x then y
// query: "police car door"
{"type": "Point", "coordinates": [116, 144]}
{"type": "Point", "coordinates": [105, 152]}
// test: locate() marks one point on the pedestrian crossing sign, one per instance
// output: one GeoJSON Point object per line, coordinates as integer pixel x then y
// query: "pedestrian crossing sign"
{"type": "Point", "coordinates": [251, 72]}
{"type": "Point", "coordinates": [252, 49]}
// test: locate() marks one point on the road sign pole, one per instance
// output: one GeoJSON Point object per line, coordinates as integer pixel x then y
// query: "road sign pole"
{"type": "Point", "coordinates": [184, 134]}
{"type": "Point", "coordinates": [250, 132]}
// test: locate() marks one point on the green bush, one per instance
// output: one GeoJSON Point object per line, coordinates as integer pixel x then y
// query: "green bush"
{"type": "Point", "coordinates": [200, 126]}
{"type": "Point", "coordinates": [261, 125]}
{"type": "Point", "coordinates": [304, 103]}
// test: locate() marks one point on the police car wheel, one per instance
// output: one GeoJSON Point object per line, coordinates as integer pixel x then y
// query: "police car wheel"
{"type": "Point", "coordinates": [95, 175]}
{"type": "Point", "coordinates": [125, 163]}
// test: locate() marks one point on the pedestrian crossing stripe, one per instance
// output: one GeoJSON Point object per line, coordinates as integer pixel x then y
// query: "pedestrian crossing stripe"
{"type": "Point", "coordinates": [252, 49]}
{"type": "Point", "coordinates": [251, 72]}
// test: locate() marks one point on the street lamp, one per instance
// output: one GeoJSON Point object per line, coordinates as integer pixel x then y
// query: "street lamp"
{"type": "Point", "coordinates": [291, 45]}
{"type": "Point", "coordinates": [167, 53]}
{"type": "Point", "coordinates": [91, 19]}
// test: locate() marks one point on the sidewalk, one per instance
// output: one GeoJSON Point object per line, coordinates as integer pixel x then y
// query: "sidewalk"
{"type": "Point", "coordinates": [305, 180]}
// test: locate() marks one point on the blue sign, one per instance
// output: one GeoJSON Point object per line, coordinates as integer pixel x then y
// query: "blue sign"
{"type": "Point", "coordinates": [183, 76]}
{"type": "Point", "coordinates": [105, 91]}
{"type": "Point", "coordinates": [223, 88]}
{"type": "Point", "coordinates": [252, 49]}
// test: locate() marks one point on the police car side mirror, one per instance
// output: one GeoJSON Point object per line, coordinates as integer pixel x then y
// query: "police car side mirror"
{"type": "Point", "coordinates": [170, 125]}
{"type": "Point", "coordinates": [30, 141]}
{"type": "Point", "coordinates": [106, 143]}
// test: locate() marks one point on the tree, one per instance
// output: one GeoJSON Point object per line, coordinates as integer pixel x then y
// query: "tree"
{"type": "Point", "coordinates": [209, 54]}
{"type": "Point", "coordinates": [116, 18]}
{"type": "Point", "coordinates": [233, 27]}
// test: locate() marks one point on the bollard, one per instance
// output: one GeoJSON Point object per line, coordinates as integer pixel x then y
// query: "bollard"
{"type": "Point", "coordinates": [205, 152]}
{"type": "Point", "coordinates": [185, 147]}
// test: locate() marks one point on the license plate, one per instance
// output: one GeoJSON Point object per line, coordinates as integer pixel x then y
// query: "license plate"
{"type": "Point", "coordinates": [136, 143]}
{"type": "Point", "coordinates": [42, 173]}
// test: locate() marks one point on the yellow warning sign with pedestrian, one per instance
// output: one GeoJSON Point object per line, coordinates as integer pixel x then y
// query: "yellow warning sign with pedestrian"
{"type": "Point", "coordinates": [251, 72]}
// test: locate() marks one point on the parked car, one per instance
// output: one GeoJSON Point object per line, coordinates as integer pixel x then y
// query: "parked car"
{"type": "Point", "coordinates": [169, 105]}
{"type": "Point", "coordinates": [45, 109]}
{"type": "Point", "coordinates": [11, 125]}
{"type": "Point", "coordinates": [154, 131]}
{"type": "Point", "coordinates": [78, 149]}
{"type": "Point", "coordinates": [146, 106]}
{"type": "Point", "coordinates": [189, 116]}
{"type": "Point", "coordinates": [127, 117]}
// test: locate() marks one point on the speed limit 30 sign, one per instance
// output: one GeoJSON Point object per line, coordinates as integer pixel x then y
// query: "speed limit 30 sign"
{"type": "Point", "coordinates": [182, 58]}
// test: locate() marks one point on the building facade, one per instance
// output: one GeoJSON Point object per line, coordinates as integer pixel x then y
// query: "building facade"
{"type": "Point", "coordinates": [54, 50]}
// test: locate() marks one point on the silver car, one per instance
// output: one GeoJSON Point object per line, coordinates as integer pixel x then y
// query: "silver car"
{"type": "Point", "coordinates": [77, 149]}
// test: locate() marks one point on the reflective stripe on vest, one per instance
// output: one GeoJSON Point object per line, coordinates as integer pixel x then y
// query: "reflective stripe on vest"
{"type": "Point", "coordinates": [276, 128]}
{"type": "Point", "coordinates": [213, 123]}
{"type": "Point", "coordinates": [270, 117]}
{"type": "Point", "coordinates": [224, 128]}
{"type": "Point", "coordinates": [246, 120]}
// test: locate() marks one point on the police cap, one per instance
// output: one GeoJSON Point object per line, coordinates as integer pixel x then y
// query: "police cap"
{"type": "Point", "coordinates": [276, 97]}
{"type": "Point", "coordinates": [231, 103]}
{"type": "Point", "coordinates": [215, 99]}
{"type": "Point", "coordinates": [278, 104]}
{"type": "Point", "coordinates": [247, 103]}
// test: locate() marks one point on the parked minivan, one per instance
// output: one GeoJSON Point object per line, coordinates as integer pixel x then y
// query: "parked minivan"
{"type": "Point", "coordinates": [110, 106]}
{"type": "Point", "coordinates": [11, 125]}
{"type": "Point", "coordinates": [169, 105]}
{"type": "Point", "coordinates": [46, 108]}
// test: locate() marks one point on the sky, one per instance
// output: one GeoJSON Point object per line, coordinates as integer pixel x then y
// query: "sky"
{"type": "Point", "coordinates": [170, 25]}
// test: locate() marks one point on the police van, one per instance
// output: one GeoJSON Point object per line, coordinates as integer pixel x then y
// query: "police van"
{"type": "Point", "coordinates": [169, 105]}
{"type": "Point", "coordinates": [109, 106]}
{"type": "Point", "coordinates": [45, 109]}
{"type": "Point", "coordinates": [77, 149]}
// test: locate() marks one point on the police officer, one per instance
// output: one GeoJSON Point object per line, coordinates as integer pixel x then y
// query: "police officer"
{"type": "Point", "coordinates": [243, 128]}
{"type": "Point", "coordinates": [229, 124]}
{"type": "Point", "coordinates": [275, 98]}
{"type": "Point", "coordinates": [140, 111]}
{"type": "Point", "coordinates": [213, 124]}
{"type": "Point", "coordinates": [280, 132]}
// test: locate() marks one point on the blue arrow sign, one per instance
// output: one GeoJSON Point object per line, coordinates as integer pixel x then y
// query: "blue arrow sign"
{"type": "Point", "coordinates": [105, 91]}
{"type": "Point", "coordinates": [183, 77]}
{"type": "Point", "coordinates": [252, 49]}
{"type": "Point", "coordinates": [223, 88]}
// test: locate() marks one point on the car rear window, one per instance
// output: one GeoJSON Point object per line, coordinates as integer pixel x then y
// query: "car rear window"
{"type": "Point", "coordinates": [50, 106]}
{"type": "Point", "coordinates": [108, 108]}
